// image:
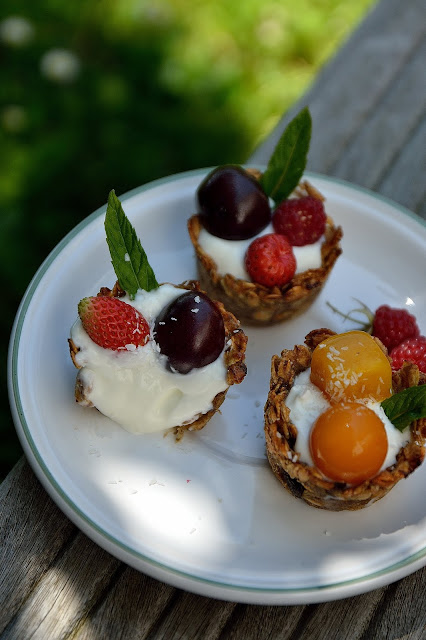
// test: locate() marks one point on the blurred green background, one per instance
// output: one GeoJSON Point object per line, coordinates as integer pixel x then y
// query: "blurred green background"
{"type": "Point", "coordinates": [101, 94]}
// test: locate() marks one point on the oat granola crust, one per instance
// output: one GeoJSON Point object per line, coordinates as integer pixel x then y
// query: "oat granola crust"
{"type": "Point", "coordinates": [235, 341]}
{"type": "Point", "coordinates": [254, 303]}
{"type": "Point", "coordinates": [306, 482]}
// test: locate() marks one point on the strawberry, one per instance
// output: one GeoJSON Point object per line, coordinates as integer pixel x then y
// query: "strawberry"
{"type": "Point", "coordinates": [411, 350]}
{"type": "Point", "coordinates": [392, 326]}
{"type": "Point", "coordinates": [301, 220]}
{"type": "Point", "coordinates": [270, 260]}
{"type": "Point", "coordinates": [112, 323]}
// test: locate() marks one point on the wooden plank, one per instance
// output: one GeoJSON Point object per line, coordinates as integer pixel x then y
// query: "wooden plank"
{"type": "Point", "coordinates": [32, 532]}
{"type": "Point", "coordinates": [375, 147]}
{"type": "Point", "coordinates": [401, 615]}
{"type": "Point", "coordinates": [254, 621]}
{"type": "Point", "coordinates": [156, 611]}
{"type": "Point", "coordinates": [66, 592]}
{"type": "Point", "coordinates": [346, 619]}
{"type": "Point", "coordinates": [194, 617]}
{"type": "Point", "coordinates": [404, 181]}
{"type": "Point", "coordinates": [372, 58]}
{"type": "Point", "coordinates": [342, 620]}
{"type": "Point", "coordinates": [132, 608]}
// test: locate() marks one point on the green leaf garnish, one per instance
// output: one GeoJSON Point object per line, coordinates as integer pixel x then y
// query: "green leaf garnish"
{"type": "Point", "coordinates": [128, 258]}
{"type": "Point", "coordinates": [288, 161]}
{"type": "Point", "coordinates": [407, 405]}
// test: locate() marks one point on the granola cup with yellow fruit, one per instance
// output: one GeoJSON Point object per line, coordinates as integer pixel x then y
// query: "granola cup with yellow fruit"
{"type": "Point", "coordinates": [342, 429]}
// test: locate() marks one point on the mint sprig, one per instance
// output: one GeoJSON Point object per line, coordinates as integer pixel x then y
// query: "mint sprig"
{"type": "Point", "coordinates": [128, 258]}
{"type": "Point", "coordinates": [407, 405]}
{"type": "Point", "coordinates": [288, 160]}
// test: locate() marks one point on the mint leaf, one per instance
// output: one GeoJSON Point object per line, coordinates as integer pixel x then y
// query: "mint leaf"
{"type": "Point", "coordinates": [288, 161]}
{"type": "Point", "coordinates": [128, 258]}
{"type": "Point", "coordinates": [407, 405]}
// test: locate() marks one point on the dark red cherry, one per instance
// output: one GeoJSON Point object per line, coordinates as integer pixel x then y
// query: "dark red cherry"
{"type": "Point", "coordinates": [190, 331]}
{"type": "Point", "coordinates": [232, 204]}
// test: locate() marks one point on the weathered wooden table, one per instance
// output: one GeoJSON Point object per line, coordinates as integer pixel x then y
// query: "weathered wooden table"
{"type": "Point", "coordinates": [368, 107]}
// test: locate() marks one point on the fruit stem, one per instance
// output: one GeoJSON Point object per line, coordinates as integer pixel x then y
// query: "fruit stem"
{"type": "Point", "coordinates": [365, 326]}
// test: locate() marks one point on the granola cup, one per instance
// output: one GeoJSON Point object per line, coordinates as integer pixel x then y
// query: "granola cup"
{"type": "Point", "coordinates": [306, 482]}
{"type": "Point", "coordinates": [235, 341]}
{"type": "Point", "coordinates": [254, 303]}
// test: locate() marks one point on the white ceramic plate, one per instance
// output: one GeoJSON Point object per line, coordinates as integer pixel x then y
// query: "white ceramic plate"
{"type": "Point", "coordinates": [207, 514]}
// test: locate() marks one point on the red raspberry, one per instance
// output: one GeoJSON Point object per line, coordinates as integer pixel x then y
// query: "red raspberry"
{"type": "Point", "coordinates": [270, 260]}
{"type": "Point", "coordinates": [393, 326]}
{"type": "Point", "coordinates": [411, 350]}
{"type": "Point", "coordinates": [302, 220]}
{"type": "Point", "coordinates": [112, 323]}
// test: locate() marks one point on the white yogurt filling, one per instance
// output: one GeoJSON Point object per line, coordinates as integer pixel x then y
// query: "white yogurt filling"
{"type": "Point", "coordinates": [306, 402]}
{"type": "Point", "coordinates": [229, 255]}
{"type": "Point", "coordinates": [134, 387]}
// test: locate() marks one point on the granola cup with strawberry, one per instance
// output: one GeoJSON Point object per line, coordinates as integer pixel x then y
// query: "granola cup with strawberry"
{"type": "Point", "coordinates": [342, 428]}
{"type": "Point", "coordinates": [153, 357]}
{"type": "Point", "coordinates": [265, 264]}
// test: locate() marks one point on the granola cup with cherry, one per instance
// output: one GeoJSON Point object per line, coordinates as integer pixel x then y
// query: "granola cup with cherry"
{"type": "Point", "coordinates": [366, 428]}
{"type": "Point", "coordinates": [153, 357]}
{"type": "Point", "coordinates": [265, 265]}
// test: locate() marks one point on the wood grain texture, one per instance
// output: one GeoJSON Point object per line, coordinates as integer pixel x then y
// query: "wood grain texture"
{"type": "Point", "coordinates": [278, 623]}
{"type": "Point", "coordinates": [194, 617]}
{"type": "Point", "coordinates": [402, 612]}
{"type": "Point", "coordinates": [132, 608]}
{"type": "Point", "coordinates": [404, 180]}
{"type": "Point", "coordinates": [368, 104]}
{"type": "Point", "coordinates": [65, 593]}
{"type": "Point", "coordinates": [33, 532]}
{"type": "Point", "coordinates": [375, 146]}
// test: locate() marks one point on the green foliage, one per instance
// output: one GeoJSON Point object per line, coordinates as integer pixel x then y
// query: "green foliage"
{"type": "Point", "coordinates": [406, 406]}
{"type": "Point", "coordinates": [128, 257]}
{"type": "Point", "coordinates": [288, 160]}
{"type": "Point", "coordinates": [149, 89]}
